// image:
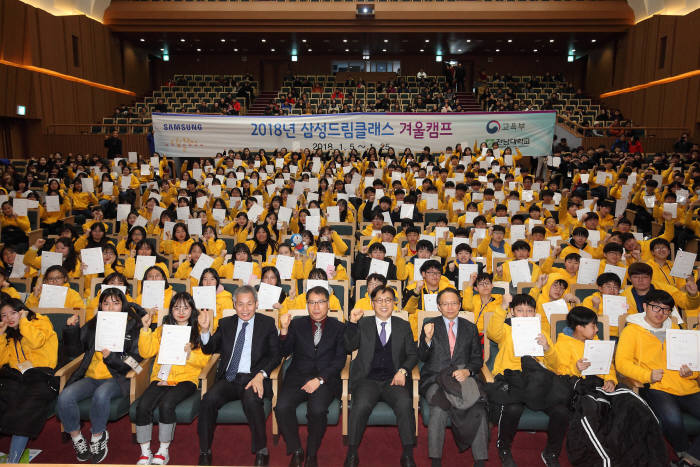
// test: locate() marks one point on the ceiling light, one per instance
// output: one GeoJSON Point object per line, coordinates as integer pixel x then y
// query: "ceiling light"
{"type": "Point", "coordinates": [459, 50]}
{"type": "Point", "coordinates": [347, 50]}
{"type": "Point", "coordinates": [235, 50]}
{"type": "Point", "coordinates": [593, 40]}
{"type": "Point", "coordinates": [510, 40]}
{"type": "Point", "coordinates": [272, 50]}
{"type": "Point", "coordinates": [162, 50]}
{"type": "Point", "coordinates": [383, 50]}
{"type": "Point", "coordinates": [498, 50]}
{"type": "Point", "coordinates": [468, 41]}
{"type": "Point", "coordinates": [199, 50]}
{"type": "Point", "coordinates": [551, 40]}
{"type": "Point", "coordinates": [365, 10]}
{"type": "Point", "coordinates": [263, 40]}
{"type": "Point", "coordinates": [182, 40]}
{"type": "Point", "coordinates": [223, 40]}
{"type": "Point", "coordinates": [304, 41]}
{"type": "Point", "coordinates": [144, 40]}
{"type": "Point", "coordinates": [386, 40]}
{"type": "Point", "coordinates": [427, 40]}
{"type": "Point", "coordinates": [309, 50]}
{"type": "Point", "coordinates": [345, 41]}
{"type": "Point", "coordinates": [572, 50]}
{"type": "Point", "coordinates": [422, 50]}
{"type": "Point", "coordinates": [295, 58]}
{"type": "Point", "coordinates": [534, 50]}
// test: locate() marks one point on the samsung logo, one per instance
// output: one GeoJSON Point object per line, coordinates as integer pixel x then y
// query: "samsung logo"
{"type": "Point", "coordinates": [182, 127]}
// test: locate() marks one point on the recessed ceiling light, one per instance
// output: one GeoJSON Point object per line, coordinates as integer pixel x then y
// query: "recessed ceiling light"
{"type": "Point", "coordinates": [223, 40]}
{"type": "Point", "coordinates": [422, 50]}
{"type": "Point", "coordinates": [551, 40]}
{"type": "Point", "coordinates": [593, 40]}
{"type": "Point", "coordinates": [573, 50]}
{"type": "Point", "coordinates": [199, 50]}
{"type": "Point", "coordinates": [383, 50]}
{"type": "Point", "coordinates": [309, 50]}
{"type": "Point", "coordinates": [235, 50]}
{"type": "Point", "coordinates": [498, 50]}
{"type": "Point", "coordinates": [263, 40]}
{"type": "Point", "coordinates": [182, 40]}
{"type": "Point", "coordinates": [468, 41]}
{"type": "Point", "coordinates": [144, 40]}
{"type": "Point", "coordinates": [347, 50]}
{"type": "Point", "coordinates": [427, 40]}
{"type": "Point", "coordinates": [345, 41]}
{"type": "Point", "coordinates": [510, 40]}
{"type": "Point", "coordinates": [386, 40]}
{"type": "Point", "coordinates": [304, 41]}
{"type": "Point", "coordinates": [162, 50]}
{"type": "Point", "coordinates": [534, 50]}
{"type": "Point", "coordinates": [459, 50]}
{"type": "Point", "coordinates": [272, 50]}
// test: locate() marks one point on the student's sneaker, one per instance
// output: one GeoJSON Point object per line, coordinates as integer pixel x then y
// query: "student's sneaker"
{"type": "Point", "coordinates": [145, 460]}
{"type": "Point", "coordinates": [161, 458]}
{"type": "Point", "coordinates": [98, 448]}
{"type": "Point", "coordinates": [550, 459]}
{"type": "Point", "coordinates": [506, 457]}
{"type": "Point", "coordinates": [82, 452]}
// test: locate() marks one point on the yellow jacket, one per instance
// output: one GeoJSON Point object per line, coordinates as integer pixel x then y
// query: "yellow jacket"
{"type": "Point", "coordinates": [639, 352]}
{"type": "Point", "coordinates": [73, 299]}
{"type": "Point", "coordinates": [17, 221]}
{"type": "Point", "coordinates": [149, 345]}
{"type": "Point", "coordinates": [415, 303]}
{"type": "Point", "coordinates": [82, 200]}
{"type": "Point", "coordinates": [39, 344]}
{"type": "Point", "coordinates": [569, 350]}
{"type": "Point", "coordinates": [176, 248]}
{"type": "Point", "coordinates": [472, 302]}
{"type": "Point", "coordinates": [226, 271]}
{"type": "Point", "coordinates": [185, 268]}
{"type": "Point", "coordinates": [32, 259]}
{"type": "Point", "coordinates": [501, 333]}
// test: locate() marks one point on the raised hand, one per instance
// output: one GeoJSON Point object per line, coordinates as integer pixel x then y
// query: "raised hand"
{"type": "Point", "coordinates": [73, 320]}
{"type": "Point", "coordinates": [507, 298]}
{"type": "Point", "coordinates": [285, 320]}
{"type": "Point", "coordinates": [429, 330]}
{"type": "Point", "coordinates": [596, 301]}
{"type": "Point", "coordinates": [356, 314]}
{"type": "Point", "coordinates": [582, 364]}
{"type": "Point", "coordinates": [39, 243]}
{"type": "Point", "coordinates": [204, 322]}
{"type": "Point", "coordinates": [146, 320]}
{"type": "Point", "coordinates": [691, 286]}
{"type": "Point", "coordinates": [542, 340]}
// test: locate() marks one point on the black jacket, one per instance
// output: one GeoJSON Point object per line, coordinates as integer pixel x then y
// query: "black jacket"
{"type": "Point", "coordinates": [114, 147]}
{"type": "Point", "coordinates": [265, 351]}
{"type": "Point", "coordinates": [362, 263]}
{"type": "Point", "coordinates": [325, 361]}
{"type": "Point", "coordinates": [79, 340]}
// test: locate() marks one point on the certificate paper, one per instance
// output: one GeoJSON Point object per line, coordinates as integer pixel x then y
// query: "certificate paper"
{"type": "Point", "coordinates": [53, 296]}
{"type": "Point", "coordinates": [430, 301]}
{"type": "Point", "coordinates": [600, 355]}
{"type": "Point", "coordinates": [111, 328]}
{"type": "Point", "coordinates": [242, 270]}
{"type": "Point", "coordinates": [50, 258]}
{"type": "Point", "coordinates": [519, 272]}
{"type": "Point", "coordinates": [143, 263]}
{"type": "Point", "coordinates": [324, 260]}
{"type": "Point", "coordinates": [204, 297]}
{"type": "Point", "coordinates": [588, 271]}
{"type": "Point", "coordinates": [525, 332]}
{"type": "Point", "coordinates": [683, 264]}
{"type": "Point", "coordinates": [153, 295]}
{"type": "Point", "coordinates": [617, 270]}
{"type": "Point", "coordinates": [285, 265]}
{"type": "Point", "coordinates": [268, 296]}
{"type": "Point", "coordinates": [204, 261]}
{"type": "Point", "coordinates": [379, 267]}
{"type": "Point", "coordinates": [465, 273]}
{"type": "Point", "coordinates": [614, 306]}
{"type": "Point", "coordinates": [682, 348]}
{"type": "Point", "coordinates": [555, 307]}
{"type": "Point", "coordinates": [92, 258]}
{"type": "Point", "coordinates": [172, 344]}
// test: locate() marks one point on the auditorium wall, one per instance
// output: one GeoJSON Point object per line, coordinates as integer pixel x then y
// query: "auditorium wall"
{"type": "Point", "coordinates": [659, 47]}
{"type": "Point", "coordinates": [72, 45]}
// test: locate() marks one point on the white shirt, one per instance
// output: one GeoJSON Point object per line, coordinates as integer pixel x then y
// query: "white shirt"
{"type": "Point", "coordinates": [387, 327]}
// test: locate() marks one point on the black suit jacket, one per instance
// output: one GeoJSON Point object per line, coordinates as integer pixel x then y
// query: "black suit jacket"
{"type": "Point", "coordinates": [467, 352]}
{"type": "Point", "coordinates": [325, 361]}
{"type": "Point", "coordinates": [264, 353]}
{"type": "Point", "coordinates": [362, 336]}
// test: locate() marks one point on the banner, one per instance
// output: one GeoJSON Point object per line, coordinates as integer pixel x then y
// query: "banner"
{"type": "Point", "coordinates": [194, 135]}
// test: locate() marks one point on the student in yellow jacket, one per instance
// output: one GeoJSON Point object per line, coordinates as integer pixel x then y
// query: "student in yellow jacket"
{"type": "Point", "coordinates": [179, 243]}
{"type": "Point", "coordinates": [483, 302]}
{"type": "Point", "coordinates": [641, 278]}
{"type": "Point", "coordinates": [500, 331]}
{"type": "Point", "coordinates": [10, 219]}
{"type": "Point", "coordinates": [224, 299]}
{"type": "Point", "coordinates": [642, 356]}
{"type": "Point", "coordinates": [27, 340]}
{"type": "Point", "coordinates": [114, 278]}
{"type": "Point", "coordinates": [170, 384]}
{"type": "Point", "coordinates": [494, 246]}
{"type": "Point", "coordinates": [56, 275]}
{"type": "Point", "coordinates": [239, 229]}
{"type": "Point", "coordinates": [583, 323]}
{"type": "Point", "coordinates": [155, 273]}
{"type": "Point", "coordinates": [240, 253]}
{"type": "Point", "coordinates": [63, 245]}
{"type": "Point", "coordinates": [8, 256]}
{"type": "Point", "coordinates": [185, 268]}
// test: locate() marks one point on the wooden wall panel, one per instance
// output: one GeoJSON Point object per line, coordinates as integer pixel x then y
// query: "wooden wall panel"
{"type": "Point", "coordinates": [12, 34]}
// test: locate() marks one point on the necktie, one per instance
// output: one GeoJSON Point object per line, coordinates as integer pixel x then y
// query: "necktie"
{"type": "Point", "coordinates": [317, 334]}
{"type": "Point", "coordinates": [382, 335]}
{"type": "Point", "coordinates": [451, 337]}
{"type": "Point", "coordinates": [232, 369]}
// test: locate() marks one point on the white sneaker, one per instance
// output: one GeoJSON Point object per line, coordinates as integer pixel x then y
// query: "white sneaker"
{"type": "Point", "coordinates": [161, 458]}
{"type": "Point", "coordinates": [145, 460]}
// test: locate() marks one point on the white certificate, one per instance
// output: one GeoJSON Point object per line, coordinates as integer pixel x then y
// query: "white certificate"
{"type": "Point", "coordinates": [18, 268]}
{"type": "Point", "coordinates": [145, 170]}
{"type": "Point", "coordinates": [588, 271]}
{"type": "Point", "coordinates": [456, 241]}
{"type": "Point", "coordinates": [143, 263]}
{"type": "Point", "coordinates": [53, 296]}
{"type": "Point", "coordinates": [671, 208]}
{"type": "Point", "coordinates": [133, 157]}
{"type": "Point", "coordinates": [50, 258]}
{"type": "Point", "coordinates": [614, 306]}
{"type": "Point", "coordinates": [525, 332]}
{"type": "Point", "coordinates": [88, 185]}
{"type": "Point", "coordinates": [600, 356]}
{"type": "Point", "coordinates": [324, 260]}
{"type": "Point", "coordinates": [540, 249]}
{"type": "Point", "coordinates": [285, 265]}
{"type": "Point", "coordinates": [377, 266]}
{"type": "Point", "coordinates": [465, 273]}
{"type": "Point", "coordinates": [584, 177]}
{"type": "Point", "coordinates": [284, 214]}
{"type": "Point", "coordinates": [268, 296]}
{"type": "Point", "coordinates": [172, 344]}
{"type": "Point", "coordinates": [469, 216]}
{"type": "Point", "coordinates": [555, 307]}
{"type": "Point", "coordinates": [254, 212]}
{"type": "Point", "coordinates": [194, 226]}
{"type": "Point", "coordinates": [92, 258]}
{"type": "Point", "coordinates": [52, 204]}
{"type": "Point", "coordinates": [430, 301]}
{"type": "Point", "coordinates": [104, 287]}
{"type": "Point", "coordinates": [517, 232]}
{"type": "Point", "coordinates": [311, 283]}
{"type": "Point", "coordinates": [219, 215]}
{"type": "Point", "coordinates": [183, 212]}
{"type": "Point", "coordinates": [313, 224]}
{"type": "Point", "coordinates": [153, 295]}
{"type": "Point", "coordinates": [111, 330]}
{"type": "Point", "coordinates": [594, 237]}
{"type": "Point", "coordinates": [528, 196]}
{"type": "Point", "coordinates": [682, 348]}
{"type": "Point", "coordinates": [125, 182]}
{"type": "Point", "coordinates": [108, 188]}
{"type": "Point", "coordinates": [243, 270]}
{"type": "Point", "coordinates": [204, 297]}
{"type": "Point", "coordinates": [417, 263]}
{"type": "Point", "coordinates": [201, 202]}
{"type": "Point", "coordinates": [407, 211]}
{"type": "Point", "coordinates": [333, 214]}
{"type": "Point", "coordinates": [683, 264]}
{"type": "Point", "coordinates": [157, 211]}
{"type": "Point", "coordinates": [519, 272]}
{"type": "Point", "coordinates": [620, 271]}
{"type": "Point", "coordinates": [204, 261]}
{"type": "Point", "coordinates": [649, 201]}
{"type": "Point", "coordinates": [123, 211]}
{"type": "Point", "coordinates": [391, 248]}
{"type": "Point", "coordinates": [431, 200]}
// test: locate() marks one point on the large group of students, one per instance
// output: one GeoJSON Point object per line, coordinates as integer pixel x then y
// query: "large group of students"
{"type": "Point", "coordinates": [395, 268]}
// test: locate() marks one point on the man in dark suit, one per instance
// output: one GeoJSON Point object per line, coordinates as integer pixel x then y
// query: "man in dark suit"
{"type": "Point", "coordinates": [316, 345]}
{"type": "Point", "coordinates": [361, 266]}
{"type": "Point", "coordinates": [450, 342]}
{"type": "Point", "coordinates": [249, 348]}
{"type": "Point", "coordinates": [381, 372]}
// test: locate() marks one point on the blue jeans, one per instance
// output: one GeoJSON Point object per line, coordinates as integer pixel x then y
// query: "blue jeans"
{"type": "Point", "coordinates": [670, 408]}
{"type": "Point", "coordinates": [102, 392]}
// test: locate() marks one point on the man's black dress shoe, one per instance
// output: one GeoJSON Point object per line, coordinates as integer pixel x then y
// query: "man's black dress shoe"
{"type": "Point", "coordinates": [311, 462]}
{"type": "Point", "coordinates": [297, 459]}
{"type": "Point", "coordinates": [262, 459]}
{"type": "Point", "coordinates": [407, 461]}
{"type": "Point", "coordinates": [204, 458]}
{"type": "Point", "coordinates": [352, 460]}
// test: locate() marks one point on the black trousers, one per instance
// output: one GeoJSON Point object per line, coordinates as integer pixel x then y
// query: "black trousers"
{"type": "Point", "coordinates": [365, 395]}
{"type": "Point", "coordinates": [509, 417]}
{"type": "Point", "coordinates": [223, 392]}
{"type": "Point", "coordinates": [165, 398]}
{"type": "Point", "coordinates": [288, 399]}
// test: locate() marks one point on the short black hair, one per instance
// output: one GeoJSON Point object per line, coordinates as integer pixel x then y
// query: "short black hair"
{"type": "Point", "coordinates": [376, 246]}
{"type": "Point", "coordinates": [430, 264]}
{"type": "Point", "coordinates": [640, 269]}
{"type": "Point", "coordinates": [449, 290]}
{"type": "Point", "coordinates": [613, 247]}
{"type": "Point", "coordinates": [608, 277]}
{"type": "Point", "coordinates": [520, 245]}
{"type": "Point", "coordinates": [581, 316]}
{"type": "Point", "coordinates": [660, 296]}
{"type": "Point", "coordinates": [523, 299]}
{"type": "Point", "coordinates": [382, 289]}
{"type": "Point", "coordinates": [318, 290]}
{"type": "Point", "coordinates": [580, 231]}
{"type": "Point", "coordinates": [573, 256]}
{"type": "Point", "coordinates": [425, 245]}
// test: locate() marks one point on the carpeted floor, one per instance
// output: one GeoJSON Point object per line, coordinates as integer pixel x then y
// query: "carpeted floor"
{"type": "Point", "coordinates": [380, 447]}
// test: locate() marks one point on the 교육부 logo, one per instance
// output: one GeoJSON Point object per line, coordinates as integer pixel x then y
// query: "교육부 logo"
{"type": "Point", "coordinates": [493, 126]}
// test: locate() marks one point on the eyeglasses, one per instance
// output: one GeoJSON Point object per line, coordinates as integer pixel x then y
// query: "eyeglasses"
{"type": "Point", "coordinates": [381, 301]}
{"type": "Point", "coordinates": [432, 273]}
{"type": "Point", "coordinates": [450, 304]}
{"type": "Point", "coordinates": [181, 308]}
{"type": "Point", "coordinates": [483, 284]}
{"type": "Point", "coordinates": [660, 309]}
{"type": "Point", "coordinates": [54, 280]}
{"type": "Point", "coordinates": [317, 302]}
